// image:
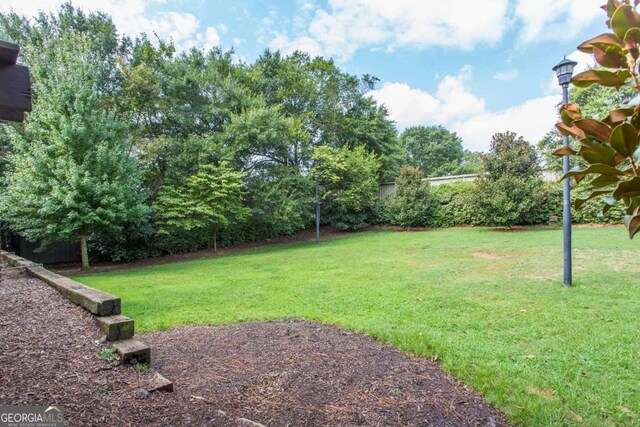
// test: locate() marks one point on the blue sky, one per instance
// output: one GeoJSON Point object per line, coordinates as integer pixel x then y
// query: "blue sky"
{"type": "Point", "coordinates": [476, 67]}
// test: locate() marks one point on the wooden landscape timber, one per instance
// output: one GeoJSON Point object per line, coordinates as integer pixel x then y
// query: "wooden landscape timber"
{"type": "Point", "coordinates": [15, 85]}
{"type": "Point", "coordinates": [105, 307]}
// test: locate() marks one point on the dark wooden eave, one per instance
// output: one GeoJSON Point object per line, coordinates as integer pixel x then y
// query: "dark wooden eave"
{"type": "Point", "coordinates": [15, 85]}
{"type": "Point", "coordinates": [8, 53]}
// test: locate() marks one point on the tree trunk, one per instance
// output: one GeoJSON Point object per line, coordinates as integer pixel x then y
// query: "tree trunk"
{"type": "Point", "coordinates": [215, 240]}
{"type": "Point", "coordinates": [84, 252]}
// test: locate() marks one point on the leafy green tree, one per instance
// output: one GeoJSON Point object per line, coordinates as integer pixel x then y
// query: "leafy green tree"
{"type": "Point", "coordinates": [546, 147]}
{"type": "Point", "coordinates": [209, 200]}
{"type": "Point", "coordinates": [35, 34]}
{"type": "Point", "coordinates": [72, 173]}
{"type": "Point", "coordinates": [508, 189]}
{"type": "Point", "coordinates": [471, 163]}
{"type": "Point", "coordinates": [330, 105]}
{"type": "Point", "coordinates": [368, 124]}
{"type": "Point", "coordinates": [411, 205]}
{"type": "Point", "coordinates": [609, 141]}
{"type": "Point", "coordinates": [283, 199]}
{"type": "Point", "coordinates": [348, 178]}
{"type": "Point", "coordinates": [434, 149]}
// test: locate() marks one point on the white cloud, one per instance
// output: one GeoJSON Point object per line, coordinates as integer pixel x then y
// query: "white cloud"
{"type": "Point", "coordinates": [344, 26]}
{"type": "Point", "coordinates": [455, 107]}
{"type": "Point", "coordinates": [409, 106]}
{"type": "Point", "coordinates": [348, 25]}
{"type": "Point", "coordinates": [305, 44]}
{"type": "Point", "coordinates": [506, 75]}
{"type": "Point", "coordinates": [133, 17]}
{"type": "Point", "coordinates": [555, 19]}
{"type": "Point", "coordinates": [531, 120]}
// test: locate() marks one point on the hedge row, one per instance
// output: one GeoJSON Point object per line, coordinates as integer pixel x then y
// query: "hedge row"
{"type": "Point", "coordinates": [454, 205]}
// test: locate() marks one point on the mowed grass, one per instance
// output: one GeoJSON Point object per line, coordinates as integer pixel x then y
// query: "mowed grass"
{"type": "Point", "coordinates": [543, 354]}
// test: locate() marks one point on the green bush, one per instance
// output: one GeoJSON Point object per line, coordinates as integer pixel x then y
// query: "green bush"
{"type": "Point", "coordinates": [411, 204]}
{"type": "Point", "coordinates": [452, 205]}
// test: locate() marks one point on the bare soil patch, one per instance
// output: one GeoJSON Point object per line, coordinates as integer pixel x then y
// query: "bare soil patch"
{"type": "Point", "coordinates": [487, 255]}
{"type": "Point", "coordinates": [275, 374]}
{"type": "Point", "coordinates": [72, 269]}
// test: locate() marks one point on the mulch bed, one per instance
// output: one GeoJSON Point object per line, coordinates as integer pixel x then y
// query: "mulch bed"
{"type": "Point", "coordinates": [291, 373]}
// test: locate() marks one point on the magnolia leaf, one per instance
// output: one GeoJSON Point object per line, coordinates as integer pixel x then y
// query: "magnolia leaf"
{"type": "Point", "coordinates": [631, 41]}
{"type": "Point", "coordinates": [609, 202]}
{"type": "Point", "coordinates": [597, 168]}
{"type": "Point", "coordinates": [611, 7]}
{"type": "Point", "coordinates": [581, 200]}
{"type": "Point", "coordinates": [603, 181]}
{"type": "Point", "coordinates": [623, 19]}
{"type": "Point", "coordinates": [587, 46]}
{"type": "Point", "coordinates": [568, 114]}
{"type": "Point", "coordinates": [565, 151]}
{"type": "Point", "coordinates": [605, 78]}
{"type": "Point", "coordinates": [599, 130]}
{"type": "Point", "coordinates": [624, 139]}
{"type": "Point", "coordinates": [598, 153]}
{"type": "Point", "coordinates": [572, 131]}
{"type": "Point", "coordinates": [632, 222]}
{"type": "Point", "coordinates": [609, 55]}
{"type": "Point", "coordinates": [618, 115]}
{"type": "Point", "coordinates": [635, 119]}
{"type": "Point", "coordinates": [627, 189]}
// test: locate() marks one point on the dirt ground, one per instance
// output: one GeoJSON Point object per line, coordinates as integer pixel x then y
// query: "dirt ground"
{"type": "Point", "coordinates": [290, 373]}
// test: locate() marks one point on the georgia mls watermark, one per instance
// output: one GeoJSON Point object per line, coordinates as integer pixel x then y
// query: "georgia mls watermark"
{"type": "Point", "coordinates": [31, 416]}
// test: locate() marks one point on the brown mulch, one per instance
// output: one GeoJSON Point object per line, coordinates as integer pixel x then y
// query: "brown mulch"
{"type": "Point", "coordinates": [291, 373]}
{"type": "Point", "coordinates": [74, 269]}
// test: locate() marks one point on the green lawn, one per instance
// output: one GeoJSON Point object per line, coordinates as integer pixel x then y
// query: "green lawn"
{"type": "Point", "coordinates": [543, 354]}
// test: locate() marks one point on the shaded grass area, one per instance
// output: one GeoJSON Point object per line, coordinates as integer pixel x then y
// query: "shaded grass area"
{"type": "Point", "coordinates": [502, 323]}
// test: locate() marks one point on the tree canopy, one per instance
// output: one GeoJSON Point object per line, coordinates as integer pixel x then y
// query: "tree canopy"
{"type": "Point", "coordinates": [141, 120]}
{"type": "Point", "coordinates": [436, 151]}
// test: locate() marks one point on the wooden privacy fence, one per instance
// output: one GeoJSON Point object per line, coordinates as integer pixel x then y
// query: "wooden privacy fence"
{"type": "Point", "coordinates": [389, 188]}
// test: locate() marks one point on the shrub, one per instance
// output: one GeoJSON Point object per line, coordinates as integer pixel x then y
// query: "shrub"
{"type": "Point", "coordinates": [510, 188]}
{"type": "Point", "coordinates": [452, 205]}
{"type": "Point", "coordinates": [411, 204]}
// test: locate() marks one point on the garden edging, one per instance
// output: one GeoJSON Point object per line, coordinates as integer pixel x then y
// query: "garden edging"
{"type": "Point", "coordinates": [105, 308]}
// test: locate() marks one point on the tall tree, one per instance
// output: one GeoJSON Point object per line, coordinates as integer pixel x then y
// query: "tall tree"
{"type": "Point", "coordinates": [209, 200]}
{"type": "Point", "coordinates": [71, 173]}
{"type": "Point", "coordinates": [348, 177]}
{"type": "Point", "coordinates": [434, 149]}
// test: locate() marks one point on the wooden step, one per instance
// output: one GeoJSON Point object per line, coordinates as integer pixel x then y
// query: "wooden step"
{"type": "Point", "coordinates": [116, 327]}
{"type": "Point", "coordinates": [129, 350]}
{"type": "Point", "coordinates": [95, 301]}
{"type": "Point", "coordinates": [158, 383]}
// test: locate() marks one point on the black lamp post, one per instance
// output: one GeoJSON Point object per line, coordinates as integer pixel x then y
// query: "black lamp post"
{"type": "Point", "coordinates": [564, 71]}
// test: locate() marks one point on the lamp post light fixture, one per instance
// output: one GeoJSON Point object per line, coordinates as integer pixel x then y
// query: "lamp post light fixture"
{"type": "Point", "coordinates": [564, 71]}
